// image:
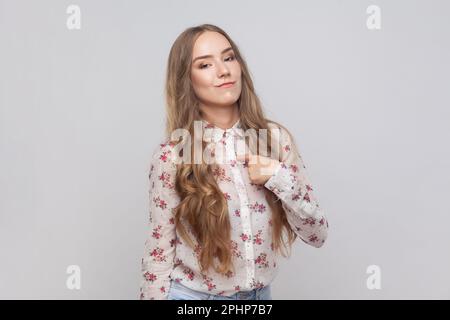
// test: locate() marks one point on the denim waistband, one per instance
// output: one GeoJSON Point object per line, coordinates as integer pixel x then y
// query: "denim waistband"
{"type": "Point", "coordinates": [239, 294]}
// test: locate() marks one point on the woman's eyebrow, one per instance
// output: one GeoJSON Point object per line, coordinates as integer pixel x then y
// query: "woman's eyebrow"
{"type": "Point", "coordinates": [210, 56]}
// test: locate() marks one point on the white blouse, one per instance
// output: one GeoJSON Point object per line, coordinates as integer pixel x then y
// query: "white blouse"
{"type": "Point", "coordinates": [167, 257]}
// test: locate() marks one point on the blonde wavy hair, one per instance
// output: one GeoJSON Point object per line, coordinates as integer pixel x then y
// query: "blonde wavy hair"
{"type": "Point", "coordinates": [202, 204]}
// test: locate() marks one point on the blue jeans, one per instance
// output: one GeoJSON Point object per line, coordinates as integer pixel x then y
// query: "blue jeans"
{"type": "Point", "coordinates": [177, 291]}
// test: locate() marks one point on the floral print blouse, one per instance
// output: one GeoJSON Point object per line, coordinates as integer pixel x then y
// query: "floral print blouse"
{"type": "Point", "coordinates": [167, 257]}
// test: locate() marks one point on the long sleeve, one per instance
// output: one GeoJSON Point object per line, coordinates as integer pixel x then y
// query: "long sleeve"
{"type": "Point", "coordinates": [292, 186]}
{"type": "Point", "coordinates": [159, 254]}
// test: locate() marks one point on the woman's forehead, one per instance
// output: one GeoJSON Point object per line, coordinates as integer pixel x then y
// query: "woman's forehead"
{"type": "Point", "coordinates": [210, 43]}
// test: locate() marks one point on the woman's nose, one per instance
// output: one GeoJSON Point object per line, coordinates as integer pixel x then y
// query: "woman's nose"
{"type": "Point", "coordinates": [223, 70]}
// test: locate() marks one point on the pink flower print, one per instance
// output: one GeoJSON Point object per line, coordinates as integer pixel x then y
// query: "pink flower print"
{"type": "Point", "coordinates": [227, 195]}
{"type": "Point", "coordinates": [257, 284]}
{"type": "Point", "coordinates": [150, 276]}
{"type": "Point", "coordinates": [221, 293]}
{"type": "Point", "coordinates": [245, 237]}
{"type": "Point", "coordinates": [162, 289]}
{"type": "Point", "coordinates": [160, 203]}
{"type": "Point", "coordinates": [297, 196]}
{"type": "Point", "coordinates": [233, 163]}
{"type": "Point", "coordinates": [237, 212]}
{"type": "Point", "coordinates": [237, 288]}
{"type": "Point", "coordinates": [172, 220]}
{"type": "Point", "coordinates": [310, 221]}
{"type": "Point", "coordinates": [306, 197]}
{"type": "Point", "coordinates": [309, 187]}
{"type": "Point", "coordinates": [156, 232]}
{"type": "Point", "coordinates": [257, 239]}
{"type": "Point", "coordinates": [258, 207]}
{"type": "Point", "coordinates": [211, 286]}
{"type": "Point", "coordinates": [293, 177]}
{"type": "Point", "coordinates": [235, 249]}
{"type": "Point", "coordinates": [177, 262]}
{"type": "Point", "coordinates": [197, 250]}
{"type": "Point", "coordinates": [229, 274]}
{"type": "Point", "coordinates": [174, 242]}
{"type": "Point", "coordinates": [165, 178]}
{"type": "Point", "coordinates": [164, 157]}
{"type": "Point", "coordinates": [294, 167]}
{"type": "Point", "coordinates": [322, 221]}
{"type": "Point", "coordinates": [189, 273]}
{"type": "Point", "coordinates": [261, 261]}
{"type": "Point", "coordinates": [313, 238]}
{"type": "Point", "coordinates": [158, 254]}
{"type": "Point", "coordinates": [287, 148]}
{"type": "Point", "coordinates": [219, 173]}
{"type": "Point", "coordinates": [208, 281]}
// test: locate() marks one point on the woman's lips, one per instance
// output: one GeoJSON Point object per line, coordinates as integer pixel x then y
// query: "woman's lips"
{"type": "Point", "coordinates": [227, 85]}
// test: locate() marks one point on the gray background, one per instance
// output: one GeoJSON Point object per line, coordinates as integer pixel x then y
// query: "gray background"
{"type": "Point", "coordinates": [82, 110]}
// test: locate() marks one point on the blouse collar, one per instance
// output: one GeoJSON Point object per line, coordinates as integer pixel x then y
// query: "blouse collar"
{"type": "Point", "coordinates": [219, 133]}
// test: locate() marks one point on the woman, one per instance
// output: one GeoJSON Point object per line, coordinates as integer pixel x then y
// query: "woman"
{"type": "Point", "coordinates": [217, 225]}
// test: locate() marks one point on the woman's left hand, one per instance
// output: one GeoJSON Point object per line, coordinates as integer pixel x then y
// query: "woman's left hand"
{"type": "Point", "coordinates": [260, 168]}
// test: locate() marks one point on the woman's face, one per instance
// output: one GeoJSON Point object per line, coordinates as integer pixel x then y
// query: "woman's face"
{"type": "Point", "coordinates": [218, 67]}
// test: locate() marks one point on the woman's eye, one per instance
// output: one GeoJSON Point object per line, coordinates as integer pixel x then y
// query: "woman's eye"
{"type": "Point", "coordinates": [230, 58]}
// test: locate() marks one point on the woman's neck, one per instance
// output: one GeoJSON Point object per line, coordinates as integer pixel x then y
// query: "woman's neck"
{"type": "Point", "coordinates": [223, 118]}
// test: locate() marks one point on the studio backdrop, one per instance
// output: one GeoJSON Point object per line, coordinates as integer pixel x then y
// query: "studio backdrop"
{"type": "Point", "coordinates": [362, 85]}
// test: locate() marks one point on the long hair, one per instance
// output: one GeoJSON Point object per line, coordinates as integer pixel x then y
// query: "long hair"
{"type": "Point", "coordinates": [202, 204]}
